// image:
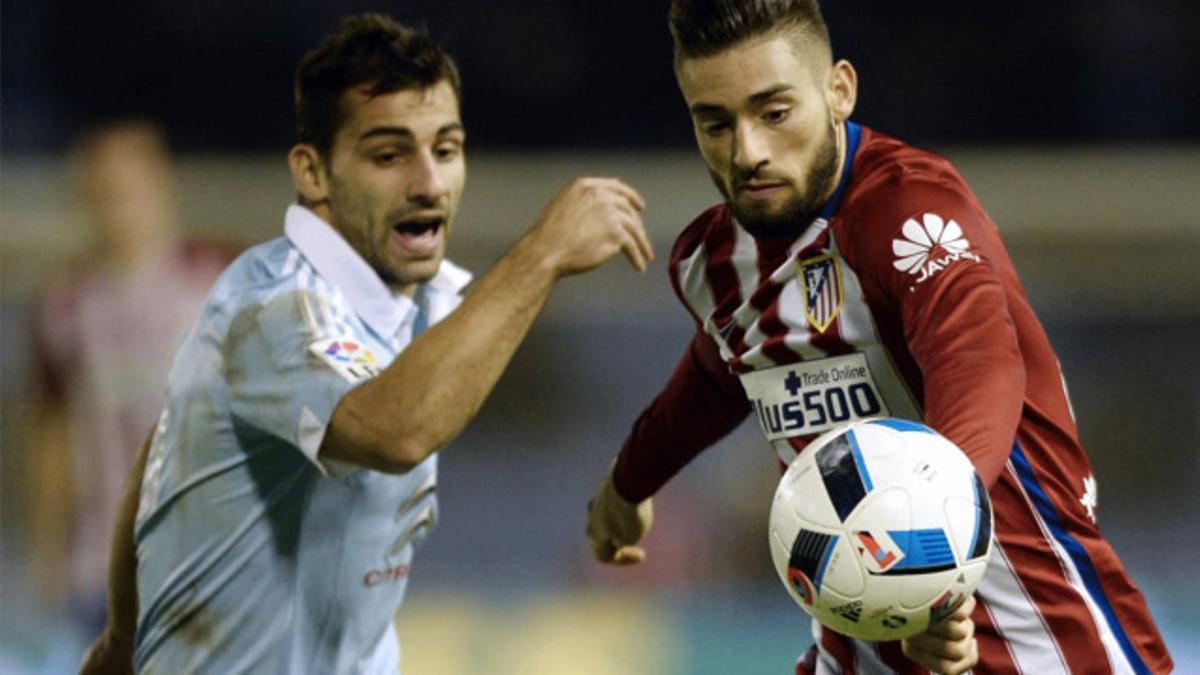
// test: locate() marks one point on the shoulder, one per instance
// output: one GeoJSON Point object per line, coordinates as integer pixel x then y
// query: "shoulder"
{"type": "Point", "coordinates": [893, 178]}
{"type": "Point", "coordinates": [894, 184]}
{"type": "Point", "coordinates": [907, 207]}
{"type": "Point", "coordinates": [893, 181]}
{"type": "Point", "coordinates": [261, 270]}
{"type": "Point", "coordinates": [271, 289]}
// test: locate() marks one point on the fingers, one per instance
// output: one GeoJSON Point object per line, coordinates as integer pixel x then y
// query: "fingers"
{"type": "Point", "coordinates": [606, 550]}
{"type": "Point", "coordinates": [625, 190]}
{"type": "Point", "coordinates": [966, 609]}
{"type": "Point", "coordinates": [633, 241]}
{"type": "Point", "coordinates": [602, 549]}
{"type": "Point", "coordinates": [949, 647]}
{"type": "Point", "coordinates": [629, 555]}
{"type": "Point", "coordinates": [943, 647]}
{"type": "Point", "coordinates": [635, 245]}
{"type": "Point", "coordinates": [589, 222]}
{"type": "Point", "coordinates": [952, 629]}
{"type": "Point", "coordinates": [614, 528]}
{"type": "Point", "coordinates": [958, 625]}
{"type": "Point", "coordinates": [637, 232]}
{"type": "Point", "coordinates": [941, 663]}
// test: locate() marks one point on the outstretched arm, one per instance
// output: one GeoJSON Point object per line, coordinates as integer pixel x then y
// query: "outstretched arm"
{"type": "Point", "coordinates": [112, 652]}
{"type": "Point", "coordinates": [700, 404]}
{"type": "Point", "coordinates": [428, 394]}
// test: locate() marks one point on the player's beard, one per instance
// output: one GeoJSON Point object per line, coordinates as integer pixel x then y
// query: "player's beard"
{"type": "Point", "coordinates": [794, 216]}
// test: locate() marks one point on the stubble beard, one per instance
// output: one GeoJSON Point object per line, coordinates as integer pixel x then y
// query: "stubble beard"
{"type": "Point", "coordinates": [794, 216]}
{"type": "Point", "coordinates": [373, 250]}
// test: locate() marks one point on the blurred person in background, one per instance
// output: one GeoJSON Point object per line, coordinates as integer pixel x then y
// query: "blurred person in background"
{"type": "Point", "coordinates": [841, 250]}
{"type": "Point", "coordinates": [105, 333]}
{"type": "Point", "coordinates": [292, 475]}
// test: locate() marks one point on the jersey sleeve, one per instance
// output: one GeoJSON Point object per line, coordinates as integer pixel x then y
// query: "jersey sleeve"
{"type": "Point", "coordinates": [702, 402]}
{"type": "Point", "coordinates": [935, 256]}
{"type": "Point", "coordinates": [286, 371]}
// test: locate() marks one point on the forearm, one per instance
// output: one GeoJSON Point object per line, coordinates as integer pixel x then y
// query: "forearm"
{"type": "Point", "coordinates": [437, 384]}
{"type": "Point", "coordinates": [974, 375]}
{"type": "Point", "coordinates": [122, 570]}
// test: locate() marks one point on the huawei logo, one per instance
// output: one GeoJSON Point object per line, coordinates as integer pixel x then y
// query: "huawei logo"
{"type": "Point", "coordinates": [922, 241]}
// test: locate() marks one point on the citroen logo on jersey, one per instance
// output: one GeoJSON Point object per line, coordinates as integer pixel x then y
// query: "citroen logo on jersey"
{"type": "Point", "coordinates": [929, 246]}
{"type": "Point", "coordinates": [821, 282]}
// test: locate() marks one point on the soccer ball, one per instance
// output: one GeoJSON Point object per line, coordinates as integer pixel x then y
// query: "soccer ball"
{"type": "Point", "coordinates": [880, 529]}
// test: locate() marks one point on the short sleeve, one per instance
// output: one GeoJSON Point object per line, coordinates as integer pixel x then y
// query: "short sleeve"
{"type": "Point", "coordinates": [286, 370]}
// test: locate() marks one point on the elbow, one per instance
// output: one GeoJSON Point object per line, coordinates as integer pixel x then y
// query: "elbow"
{"type": "Point", "coordinates": [389, 448]}
{"type": "Point", "coordinates": [401, 450]}
{"type": "Point", "coordinates": [387, 453]}
{"type": "Point", "coordinates": [399, 456]}
{"type": "Point", "coordinates": [383, 456]}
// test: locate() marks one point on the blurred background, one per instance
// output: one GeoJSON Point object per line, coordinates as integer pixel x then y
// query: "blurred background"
{"type": "Point", "coordinates": [1076, 123]}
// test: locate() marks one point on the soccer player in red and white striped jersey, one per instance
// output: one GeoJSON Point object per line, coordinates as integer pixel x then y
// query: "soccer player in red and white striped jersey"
{"type": "Point", "coordinates": [849, 275]}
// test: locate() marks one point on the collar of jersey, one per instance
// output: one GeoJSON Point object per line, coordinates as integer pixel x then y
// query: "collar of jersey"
{"type": "Point", "coordinates": [853, 135]}
{"type": "Point", "coordinates": [381, 308]}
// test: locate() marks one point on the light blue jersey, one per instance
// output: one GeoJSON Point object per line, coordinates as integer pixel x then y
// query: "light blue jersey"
{"type": "Point", "coordinates": [254, 556]}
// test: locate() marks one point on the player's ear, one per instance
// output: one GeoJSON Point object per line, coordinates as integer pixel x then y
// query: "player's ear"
{"type": "Point", "coordinates": [309, 174]}
{"type": "Point", "coordinates": [841, 90]}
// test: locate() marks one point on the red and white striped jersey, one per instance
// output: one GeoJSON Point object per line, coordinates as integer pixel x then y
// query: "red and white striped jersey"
{"type": "Point", "coordinates": [900, 300]}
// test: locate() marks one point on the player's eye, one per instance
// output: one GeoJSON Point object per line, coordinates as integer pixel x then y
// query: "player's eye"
{"type": "Point", "coordinates": [387, 158]}
{"type": "Point", "coordinates": [714, 129]}
{"type": "Point", "coordinates": [776, 115]}
{"type": "Point", "coordinates": [447, 151]}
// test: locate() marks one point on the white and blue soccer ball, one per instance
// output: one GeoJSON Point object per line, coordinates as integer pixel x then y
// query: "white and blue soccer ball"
{"type": "Point", "coordinates": [880, 529]}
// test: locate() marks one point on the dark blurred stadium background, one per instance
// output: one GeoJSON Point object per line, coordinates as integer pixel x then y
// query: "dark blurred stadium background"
{"type": "Point", "coordinates": [1076, 122]}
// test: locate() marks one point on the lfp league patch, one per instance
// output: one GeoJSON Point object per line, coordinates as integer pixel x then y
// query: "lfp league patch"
{"type": "Point", "coordinates": [348, 358]}
{"type": "Point", "coordinates": [821, 283]}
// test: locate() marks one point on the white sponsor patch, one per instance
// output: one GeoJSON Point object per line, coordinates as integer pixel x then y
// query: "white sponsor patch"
{"type": "Point", "coordinates": [349, 358]}
{"type": "Point", "coordinates": [810, 397]}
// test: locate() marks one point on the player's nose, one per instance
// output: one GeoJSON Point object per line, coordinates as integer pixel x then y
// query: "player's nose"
{"type": "Point", "coordinates": [750, 150]}
{"type": "Point", "coordinates": [428, 183]}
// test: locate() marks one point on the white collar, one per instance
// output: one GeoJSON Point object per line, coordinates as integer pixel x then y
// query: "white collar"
{"type": "Point", "coordinates": [383, 309]}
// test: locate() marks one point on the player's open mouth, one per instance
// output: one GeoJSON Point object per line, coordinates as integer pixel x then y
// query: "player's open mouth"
{"type": "Point", "coordinates": [419, 235]}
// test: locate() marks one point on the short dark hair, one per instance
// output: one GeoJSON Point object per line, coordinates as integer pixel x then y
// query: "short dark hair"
{"type": "Point", "coordinates": [369, 51]}
{"type": "Point", "coordinates": [706, 27]}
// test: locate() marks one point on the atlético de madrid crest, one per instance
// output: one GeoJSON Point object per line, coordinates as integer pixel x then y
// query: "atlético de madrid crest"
{"type": "Point", "coordinates": [821, 282]}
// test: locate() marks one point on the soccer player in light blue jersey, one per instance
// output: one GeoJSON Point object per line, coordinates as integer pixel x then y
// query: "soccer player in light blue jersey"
{"type": "Point", "coordinates": [274, 513]}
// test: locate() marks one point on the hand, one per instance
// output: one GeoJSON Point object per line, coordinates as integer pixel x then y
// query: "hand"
{"type": "Point", "coordinates": [615, 526]}
{"type": "Point", "coordinates": [949, 648]}
{"type": "Point", "coordinates": [108, 655]}
{"type": "Point", "coordinates": [588, 223]}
